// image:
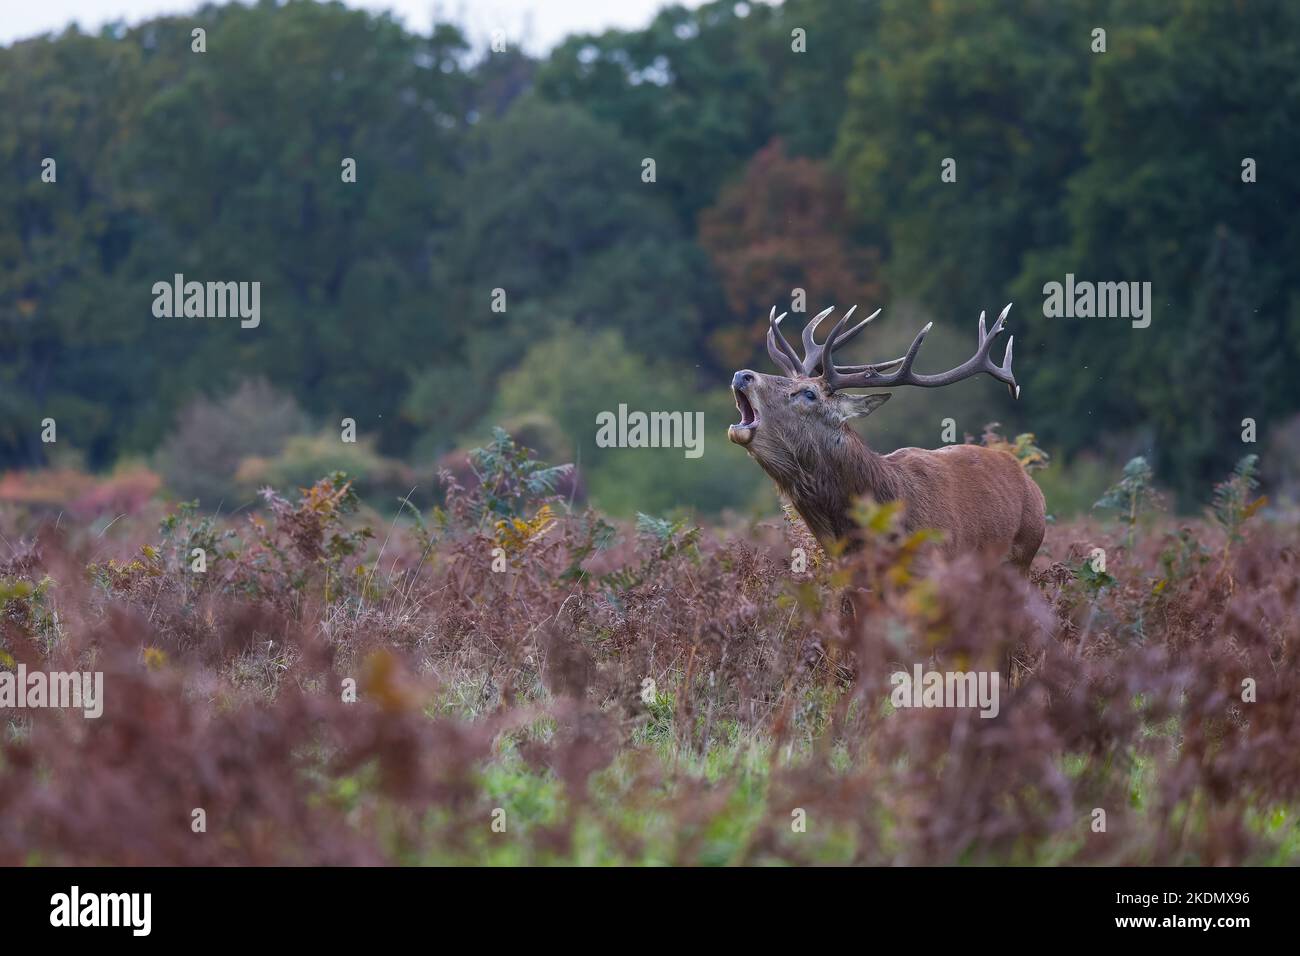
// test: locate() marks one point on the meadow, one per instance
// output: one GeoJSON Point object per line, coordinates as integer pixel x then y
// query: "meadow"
{"type": "Point", "coordinates": [510, 677]}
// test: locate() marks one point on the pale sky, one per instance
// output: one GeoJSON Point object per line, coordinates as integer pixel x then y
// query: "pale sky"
{"type": "Point", "coordinates": [538, 24]}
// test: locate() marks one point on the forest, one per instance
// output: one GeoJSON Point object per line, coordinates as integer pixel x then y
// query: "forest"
{"type": "Point", "coordinates": [448, 238]}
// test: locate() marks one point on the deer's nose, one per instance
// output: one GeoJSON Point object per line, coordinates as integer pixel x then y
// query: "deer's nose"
{"type": "Point", "coordinates": [742, 379]}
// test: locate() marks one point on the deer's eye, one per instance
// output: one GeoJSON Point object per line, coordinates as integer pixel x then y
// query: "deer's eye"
{"type": "Point", "coordinates": [809, 394]}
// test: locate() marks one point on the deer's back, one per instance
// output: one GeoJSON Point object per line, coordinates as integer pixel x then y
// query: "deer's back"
{"type": "Point", "coordinates": [979, 497]}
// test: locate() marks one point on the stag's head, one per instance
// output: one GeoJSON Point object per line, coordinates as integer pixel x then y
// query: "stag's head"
{"type": "Point", "coordinates": [792, 423]}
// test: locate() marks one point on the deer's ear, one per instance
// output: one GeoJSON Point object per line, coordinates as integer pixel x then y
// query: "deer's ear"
{"type": "Point", "coordinates": [848, 406]}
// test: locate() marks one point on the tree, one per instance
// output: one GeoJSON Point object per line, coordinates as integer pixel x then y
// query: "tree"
{"type": "Point", "coordinates": [691, 91]}
{"type": "Point", "coordinates": [782, 226]}
{"type": "Point", "coordinates": [572, 376]}
{"type": "Point", "coordinates": [223, 167]}
{"type": "Point", "coordinates": [1182, 96]}
{"type": "Point", "coordinates": [553, 212]}
{"type": "Point", "coordinates": [1200, 427]}
{"type": "Point", "coordinates": [202, 454]}
{"type": "Point", "coordinates": [997, 92]}
{"type": "Point", "coordinates": [812, 85]}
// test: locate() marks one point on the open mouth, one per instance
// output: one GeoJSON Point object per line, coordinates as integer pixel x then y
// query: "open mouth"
{"type": "Point", "coordinates": [743, 431]}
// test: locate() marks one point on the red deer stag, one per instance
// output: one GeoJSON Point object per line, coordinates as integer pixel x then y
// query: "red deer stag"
{"type": "Point", "coordinates": [796, 427]}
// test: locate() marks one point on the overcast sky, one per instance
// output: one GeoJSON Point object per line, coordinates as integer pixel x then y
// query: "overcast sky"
{"type": "Point", "coordinates": [538, 23]}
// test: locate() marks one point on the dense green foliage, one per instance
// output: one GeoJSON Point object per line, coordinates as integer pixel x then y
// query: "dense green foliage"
{"type": "Point", "coordinates": [479, 171]}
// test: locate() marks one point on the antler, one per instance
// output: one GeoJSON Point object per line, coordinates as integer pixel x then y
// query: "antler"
{"type": "Point", "coordinates": [875, 376]}
{"type": "Point", "coordinates": [783, 353]}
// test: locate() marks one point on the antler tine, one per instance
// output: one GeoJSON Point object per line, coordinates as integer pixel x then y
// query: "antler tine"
{"type": "Point", "coordinates": [839, 339]}
{"type": "Point", "coordinates": [876, 366]}
{"type": "Point", "coordinates": [1001, 372]}
{"type": "Point", "coordinates": [1012, 387]}
{"type": "Point", "coordinates": [874, 376]}
{"type": "Point", "coordinates": [904, 370]}
{"type": "Point", "coordinates": [847, 336]}
{"type": "Point", "coordinates": [808, 344]}
{"type": "Point", "coordinates": [814, 354]}
{"type": "Point", "coordinates": [784, 354]}
{"type": "Point", "coordinates": [777, 356]}
{"type": "Point", "coordinates": [781, 351]}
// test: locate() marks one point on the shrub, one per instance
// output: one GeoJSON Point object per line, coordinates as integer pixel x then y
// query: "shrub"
{"type": "Point", "coordinates": [1130, 495]}
{"type": "Point", "coordinates": [201, 455]}
{"type": "Point", "coordinates": [305, 457]}
{"type": "Point", "coordinates": [660, 693]}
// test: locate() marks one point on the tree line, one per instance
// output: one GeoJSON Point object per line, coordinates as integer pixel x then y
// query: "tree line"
{"type": "Point", "coordinates": [938, 158]}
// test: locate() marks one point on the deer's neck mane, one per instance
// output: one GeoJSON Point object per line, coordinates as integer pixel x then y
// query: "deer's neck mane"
{"type": "Point", "coordinates": [822, 491]}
